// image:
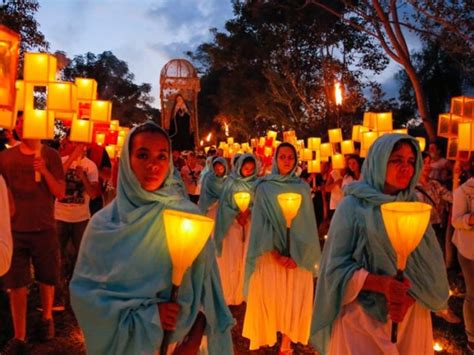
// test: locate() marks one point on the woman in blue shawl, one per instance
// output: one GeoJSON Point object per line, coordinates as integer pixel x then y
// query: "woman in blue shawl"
{"type": "Point", "coordinates": [279, 288]}
{"type": "Point", "coordinates": [356, 294]}
{"type": "Point", "coordinates": [231, 224]}
{"type": "Point", "coordinates": [212, 186]}
{"type": "Point", "coordinates": [122, 279]}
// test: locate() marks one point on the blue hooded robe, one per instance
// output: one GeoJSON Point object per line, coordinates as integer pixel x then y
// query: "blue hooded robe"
{"type": "Point", "coordinates": [124, 270]}
{"type": "Point", "coordinates": [212, 186]}
{"type": "Point", "coordinates": [357, 239]}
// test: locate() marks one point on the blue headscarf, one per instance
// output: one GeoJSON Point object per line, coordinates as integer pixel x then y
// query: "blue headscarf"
{"type": "Point", "coordinates": [124, 270]}
{"type": "Point", "coordinates": [268, 229]}
{"type": "Point", "coordinates": [206, 170]}
{"type": "Point", "coordinates": [357, 239]}
{"type": "Point", "coordinates": [212, 185]}
{"type": "Point", "coordinates": [228, 209]}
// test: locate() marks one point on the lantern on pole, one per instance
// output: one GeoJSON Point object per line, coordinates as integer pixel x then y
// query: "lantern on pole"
{"type": "Point", "coordinates": [338, 161]}
{"type": "Point", "coordinates": [314, 166]}
{"type": "Point", "coordinates": [290, 204]}
{"type": "Point", "coordinates": [62, 98]}
{"type": "Point", "coordinates": [186, 235]}
{"type": "Point", "coordinates": [81, 130]}
{"type": "Point", "coordinates": [314, 143]}
{"type": "Point", "coordinates": [9, 52]}
{"type": "Point", "coordinates": [242, 200]}
{"type": "Point", "coordinates": [347, 147]}
{"type": "Point", "coordinates": [405, 223]}
{"type": "Point", "coordinates": [39, 68]}
{"type": "Point", "coordinates": [335, 135]}
{"type": "Point", "coordinates": [101, 111]}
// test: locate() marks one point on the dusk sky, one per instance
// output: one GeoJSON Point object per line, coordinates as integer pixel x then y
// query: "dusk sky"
{"type": "Point", "coordinates": [144, 33]}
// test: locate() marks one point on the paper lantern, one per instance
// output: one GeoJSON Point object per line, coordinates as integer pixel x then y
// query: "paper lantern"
{"type": "Point", "coordinates": [100, 138]}
{"type": "Point", "coordinates": [20, 95]}
{"type": "Point", "coordinates": [383, 121]}
{"type": "Point", "coordinates": [254, 142]}
{"type": "Point", "coordinates": [206, 149]}
{"type": "Point", "coordinates": [38, 124]}
{"type": "Point", "coordinates": [421, 142]}
{"type": "Point", "coordinates": [272, 134]}
{"type": "Point", "coordinates": [369, 120]}
{"type": "Point", "coordinates": [268, 151]}
{"type": "Point", "coordinates": [81, 131]}
{"type": "Point", "coordinates": [8, 118]}
{"type": "Point", "coordinates": [347, 147]}
{"type": "Point", "coordinates": [289, 136]}
{"type": "Point", "coordinates": [306, 154]}
{"type": "Point", "coordinates": [186, 235]}
{"type": "Point", "coordinates": [314, 143]}
{"type": "Point", "coordinates": [242, 200]}
{"type": "Point", "coordinates": [314, 166]}
{"type": "Point", "coordinates": [363, 153]}
{"type": "Point", "coordinates": [245, 147]}
{"type": "Point", "coordinates": [114, 125]}
{"type": "Point", "coordinates": [401, 131]}
{"type": "Point", "coordinates": [101, 111]}
{"type": "Point", "coordinates": [463, 106]}
{"type": "Point", "coordinates": [62, 97]}
{"type": "Point", "coordinates": [290, 204]}
{"type": "Point", "coordinates": [261, 141]}
{"type": "Point", "coordinates": [448, 125]}
{"type": "Point", "coordinates": [335, 135]}
{"type": "Point", "coordinates": [86, 89]}
{"type": "Point", "coordinates": [276, 144]}
{"type": "Point", "coordinates": [338, 161]}
{"type": "Point", "coordinates": [466, 136]}
{"type": "Point", "coordinates": [326, 150]}
{"type": "Point", "coordinates": [39, 68]}
{"type": "Point", "coordinates": [230, 140]}
{"type": "Point", "coordinates": [357, 131]}
{"type": "Point", "coordinates": [367, 139]}
{"type": "Point", "coordinates": [9, 52]}
{"type": "Point", "coordinates": [111, 151]}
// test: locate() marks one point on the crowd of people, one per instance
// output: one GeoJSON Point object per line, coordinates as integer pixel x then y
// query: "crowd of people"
{"type": "Point", "coordinates": [328, 280]}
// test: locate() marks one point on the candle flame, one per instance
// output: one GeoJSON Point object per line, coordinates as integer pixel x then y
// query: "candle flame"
{"type": "Point", "coordinates": [226, 127]}
{"type": "Point", "coordinates": [208, 138]}
{"type": "Point", "coordinates": [338, 93]}
{"type": "Point", "coordinates": [437, 347]}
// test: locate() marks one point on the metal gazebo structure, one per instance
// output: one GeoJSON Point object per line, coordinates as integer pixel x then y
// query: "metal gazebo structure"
{"type": "Point", "coordinates": [179, 77]}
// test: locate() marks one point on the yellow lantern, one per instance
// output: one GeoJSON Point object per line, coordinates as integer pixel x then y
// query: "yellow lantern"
{"type": "Point", "coordinates": [326, 150]}
{"type": "Point", "coordinates": [405, 223]}
{"type": "Point", "coordinates": [38, 124]}
{"type": "Point", "coordinates": [401, 131]}
{"type": "Point", "coordinates": [463, 106]}
{"type": "Point", "coordinates": [275, 144]}
{"type": "Point", "coordinates": [254, 142]}
{"type": "Point", "coordinates": [290, 204]}
{"type": "Point", "coordinates": [111, 151]}
{"type": "Point", "coordinates": [39, 68]}
{"type": "Point", "coordinates": [206, 149]}
{"type": "Point", "coordinates": [314, 166]}
{"type": "Point", "coordinates": [272, 134]}
{"type": "Point", "coordinates": [363, 153]}
{"type": "Point", "coordinates": [338, 161]}
{"type": "Point", "coordinates": [230, 140]}
{"type": "Point", "coordinates": [245, 147]}
{"type": "Point", "coordinates": [9, 51]}
{"type": "Point", "coordinates": [369, 120]}
{"type": "Point", "coordinates": [357, 131]}
{"type": "Point", "coordinates": [306, 154]}
{"type": "Point", "coordinates": [267, 151]}
{"type": "Point", "coordinates": [114, 125]}
{"type": "Point", "coordinates": [448, 125]}
{"type": "Point", "coordinates": [421, 142]}
{"type": "Point", "coordinates": [289, 136]}
{"type": "Point", "coordinates": [367, 139]}
{"type": "Point", "coordinates": [242, 200]}
{"type": "Point", "coordinates": [81, 131]}
{"type": "Point", "coordinates": [466, 136]}
{"type": "Point", "coordinates": [314, 143]}
{"type": "Point", "coordinates": [100, 138]}
{"type": "Point", "coordinates": [383, 121]}
{"type": "Point", "coordinates": [8, 118]}
{"type": "Point", "coordinates": [101, 111]}
{"type": "Point", "coordinates": [261, 141]}
{"type": "Point", "coordinates": [20, 95]}
{"type": "Point", "coordinates": [86, 89]}
{"type": "Point", "coordinates": [62, 97]}
{"type": "Point", "coordinates": [347, 147]}
{"type": "Point", "coordinates": [120, 141]}
{"type": "Point", "coordinates": [335, 135]}
{"type": "Point", "coordinates": [186, 235]}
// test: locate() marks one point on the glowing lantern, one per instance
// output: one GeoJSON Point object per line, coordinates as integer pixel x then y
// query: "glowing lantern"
{"type": "Point", "coordinates": [186, 235]}
{"type": "Point", "coordinates": [245, 147]}
{"type": "Point", "coordinates": [39, 67]}
{"type": "Point", "coordinates": [8, 118]}
{"type": "Point", "coordinates": [101, 111]}
{"type": "Point", "coordinates": [463, 106]}
{"type": "Point", "coordinates": [383, 121]}
{"type": "Point", "coordinates": [254, 142]}
{"type": "Point", "coordinates": [401, 131]}
{"type": "Point", "coordinates": [114, 125]}
{"type": "Point", "coordinates": [369, 120]}
{"type": "Point", "coordinates": [314, 166]}
{"type": "Point", "coordinates": [86, 89]}
{"type": "Point", "coordinates": [38, 124]}
{"type": "Point", "coordinates": [335, 135]}
{"type": "Point", "coordinates": [9, 51]}
{"type": "Point", "coordinates": [405, 223]}
{"type": "Point", "coordinates": [466, 136]}
{"type": "Point", "coordinates": [437, 347]}
{"type": "Point", "coordinates": [290, 204]}
{"type": "Point", "coordinates": [347, 147]}
{"type": "Point", "coordinates": [338, 93]}
{"type": "Point", "coordinates": [367, 139]}
{"type": "Point", "coordinates": [81, 131]}
{"type": "Point", "coordinates": [62, 97]}
{"type": "Point", "coordinates": [100, 138]}
{"type": "Point", "coordinates": [230, 140]}
{"type": "Point", "coordinates": [111, 151]}
{"type": "Point", "coordinates": [326, 150]}
{"type": "Point", "coordinates": [448, 125]}
{"type": "Point", "coordinates": [357, 131]}
{"type": "Point", "coordinates": [276, 144]}
{"type": "Point", "coordinates": [20, 95]}
{"type": "Point", "coordinates": [267, 151]}
{"type": "Point", "coordinates": [363, 153]}
{"type": "Point", "coordinates": [272, 134]}
{"type": "Point", "coordinates": [289, 136]}
{"type": "Point", "coordinates": [306, 154]}
{"type": "Point", "coordinates": [206, 149]}
{"type": "Point", "coordinates": [421, 142]}
{"type": "Point", "coordinates": [338, 161]}
{"type": "Point", "coordinates": [242, 200]}
{"type": "Point", "coordinates": [120, 141]}
{"type": "Point", "coordinates": [314, 143]}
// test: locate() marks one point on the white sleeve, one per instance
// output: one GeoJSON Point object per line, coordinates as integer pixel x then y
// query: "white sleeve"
{"type": "Point", "coordinates": [6, 243]}
{"type": "Point", "coordinates": [92, 171]}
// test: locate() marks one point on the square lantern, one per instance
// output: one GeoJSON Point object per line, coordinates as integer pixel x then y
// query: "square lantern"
{"type": "Point", "coordinates": [272, 134]}
{"type": "Point", "coordinates": [325, 150]}
{"type": "Point", "coordinates": [314, 143]}
{"type": "Point", "coordinates": [335, 135]}
{"type": "Point", "coordinates": [101, 111]}
{"type": "Point", "coordinates": [448, 125]}
{"type": "Point", "coordinates": [86, 89]}
{"type": "Point", "coordinates": [254, 142]}
{"type": "Point", "coordinates": [111, 151]}
{"type": "Point", "coordinates": [8, 118]}
{"type": "Point", "coordinates": [306, 154]}
{"type": "Point", "coordinates": [9, 52]}
{"type": "Point", "coordinates": [357, 131]}
{"type": "Point", "coordinates": [463, 106]}
{"type": "Point", "coordinates": [62, 98]}
{"type": "Point", "coordinates": [466, 136]}
{"type": "Point", "coordinates": [314, 166]}
{"type": "Point", "coordinates": [369, 120]}
{"type": "Point", "coordinates": [81, 131]}
{"type": "Point", "coordinates": [368, 138]}
{"type": "Point", "coordinates": [100, 138]}
{"type": "Point", "coordinates": [338, 161]}
{"type": "Point", "coordinates": [20, 94]}
{"type": "Point", "coordinates": [383, 122]}
{"type": "Point", "coordinates": [276, 143]}
{"type": "Point", "coordinates": [39, 68]}
{"type": "Point", "coordinates": [230, 140]}
{"type": "Point", "coordinates": [114, 125]}
{"type": "Point", "coordinates": [347, 147]}
{"type": "Point", "coordinates": [38, 124]}
{"type": "Point", "coordinates": [288, 136]}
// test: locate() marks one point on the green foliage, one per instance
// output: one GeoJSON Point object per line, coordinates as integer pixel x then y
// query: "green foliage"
{"type": "Point", "coordinates": [131, 102]}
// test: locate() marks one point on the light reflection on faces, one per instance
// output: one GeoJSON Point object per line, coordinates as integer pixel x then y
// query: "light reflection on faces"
{"type": "Point", "coordinates": [286, 160]}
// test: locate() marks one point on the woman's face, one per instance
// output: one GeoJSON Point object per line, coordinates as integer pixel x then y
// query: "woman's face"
{"type": "Point", "coordinates": [400, 169]}
{"type": "Point", "coordinates": [149, 159]}
{"type": "Point", "coordinates": [247, 169]}
{"type": "Point", "coordinates": [427, 165]}
{"type": "Point", "coordinates": [219, 169]}
{"type": "Point", "coordinates": [353, 165]}
{"type": "Point", "coordinates": [285, 160]}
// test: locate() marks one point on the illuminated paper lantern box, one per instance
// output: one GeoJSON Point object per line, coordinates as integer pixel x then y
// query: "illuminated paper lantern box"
{"type": "Point", "coordinates": [62, 97]}
{"type": "Point", "coordinates": [39, 68]}
{"type": "Point", "coordinates": [448, 125]}
{"type": "Point", "coordinates": [347, 147]}
{"type": "Point", "coordinates": [335, 135]}
{"type": "Point", "coordinates": [20, 95]}
{"type": "Point", "coordinates": [38, 124]}
{"type": "Point", "coordinates": [111, 151]}
{"type": "Point", "coordinates": [230, 140]}
{"type": "Point", "coordinates": [254, 142]}
{"type": "Point", "coordinates": [421, 142]}
{"type": "Point", "coordinates": [245, 147]}
{"type": "Point", "coordinates": [463, 106]}
{"type": "Point", "coordinates": [466, 136]}
{"type": "Point", "coordinates": [111, 137]}
{"type": "Point", "coordinates": [269, 141]}
{"type": "Point", "coordinates": [8, 118]}
{"type": "Point", "coordinates": [81, 131]}
{"type": "Point", "coordinates": [276, 144]}
{"type": "Point", "coordinates": [306, 154]}
{"type": "Point", "coordinates": [314, 143]}
{"type": "Point", "coordinates": [383, 122]}
{"type": "Point", "coordinates": [9, 52]}
{"type": "Point", "coordinates": [272, 134]}
{"type": "Point", "coordinates": [100, 138]}
{"type": "Point", "coordinates": [357, 131]}
{"type": "Point", "coordinates": [86, 89]}
{"type": "Point", "coordinates": [288, 136]}
{"type": "Point", "coordinates": [368, 138]}
{"type": "Point", "coordinates": [101, 111]}
{"type": "Point", "coordinates": [326, 150]}
{"type": "Point", "coordinates": [338, 161]}
{"type": "Point", "coordinates": [369, 120]}
{"type": "Point", "coordinates": [114, 125]}
{"type": "Point", "coordinates": [314, 166]}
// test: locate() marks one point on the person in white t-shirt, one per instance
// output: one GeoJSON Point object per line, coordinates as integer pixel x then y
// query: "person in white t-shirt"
{"type": "Point", "coordinates": [333, 186]}
{"type": "Point", "coordinates": [72, 212]}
